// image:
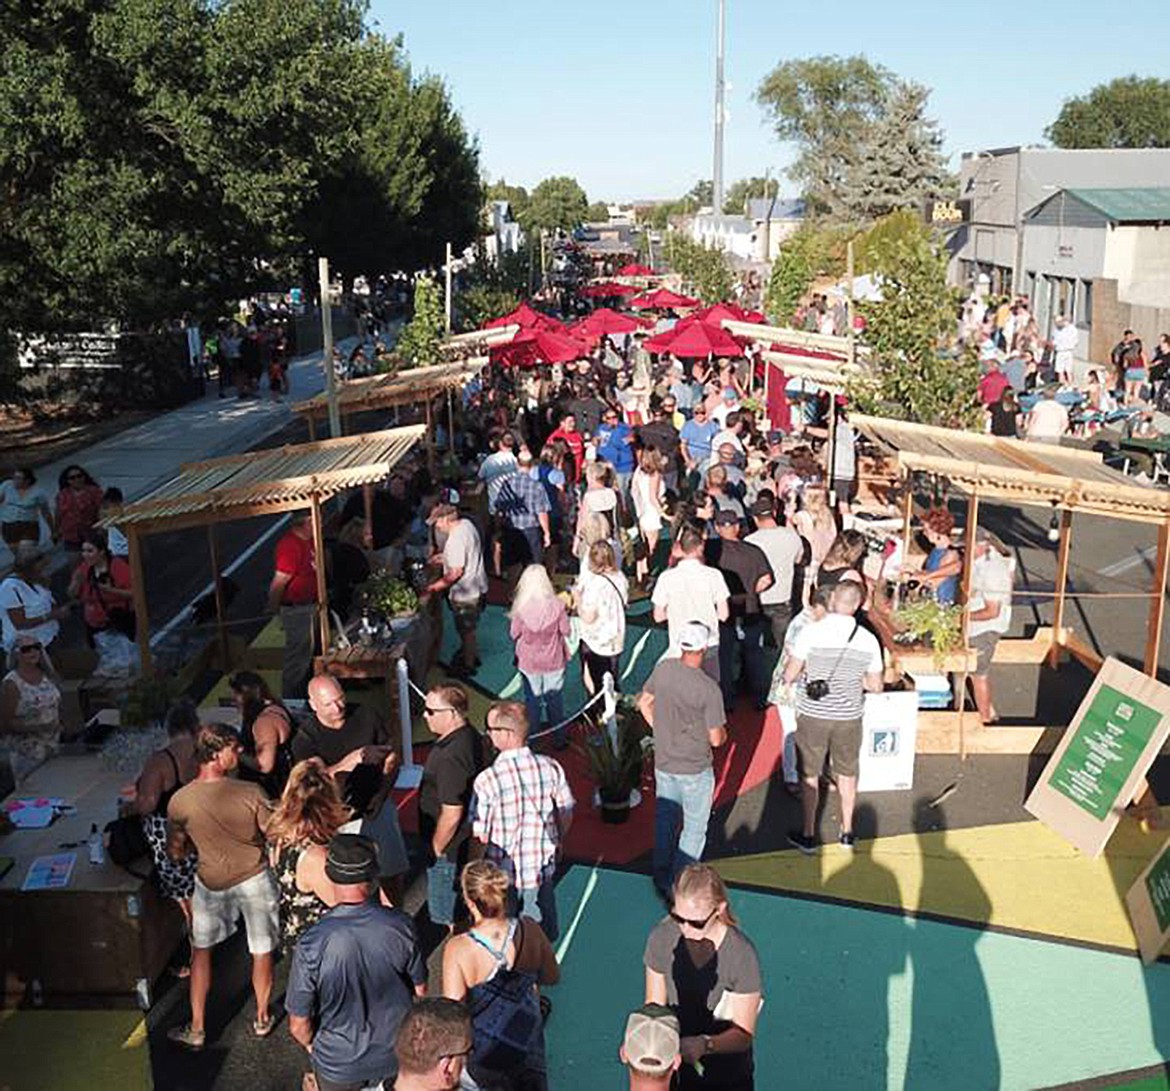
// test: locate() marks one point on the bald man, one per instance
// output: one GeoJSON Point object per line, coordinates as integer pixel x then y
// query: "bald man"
{"type": "Point", "coordinates": [359, 750]}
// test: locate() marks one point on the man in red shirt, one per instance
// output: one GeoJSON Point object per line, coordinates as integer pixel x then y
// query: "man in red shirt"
{"type": "Point", "coordinates": [993, 384]}
{"type": "Point", "coordinates": [293, 592]}
{"type": "Point", "coordinates": [567, 430]}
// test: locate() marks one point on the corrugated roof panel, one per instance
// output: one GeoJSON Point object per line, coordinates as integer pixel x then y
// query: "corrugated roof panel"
{"type": "Point", "coordinates": [1128, 204]}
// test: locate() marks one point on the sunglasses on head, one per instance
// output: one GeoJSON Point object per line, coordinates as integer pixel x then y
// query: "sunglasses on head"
{"type": "Point", "coordinates": [698, 926]}
{"type": "Point", "coordinates": [31, 647]}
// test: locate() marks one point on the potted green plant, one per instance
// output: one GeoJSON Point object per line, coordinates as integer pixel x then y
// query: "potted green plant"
{"type": "Point", "coordinates": [148, 699]}
{"type": "Point", "coordinates": [388, 595]}
{"type": "Point", "coordinates": [617, 769]}
{"type": "Point", "coordinates": [929, 623]}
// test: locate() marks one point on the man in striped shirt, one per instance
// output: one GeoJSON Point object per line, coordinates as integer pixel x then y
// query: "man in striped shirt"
{"type": "Point", "coordinates": [834, 661]}
{"type": "Point", "coordinates": [521, 810]}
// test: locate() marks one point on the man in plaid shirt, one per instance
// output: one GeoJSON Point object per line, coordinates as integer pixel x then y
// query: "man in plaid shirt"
{"type": "Point", "coordinates": [521, 810]}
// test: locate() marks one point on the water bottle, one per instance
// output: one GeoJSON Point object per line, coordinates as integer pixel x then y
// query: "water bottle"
{"type": "Point", "coordinates": [97, 847]}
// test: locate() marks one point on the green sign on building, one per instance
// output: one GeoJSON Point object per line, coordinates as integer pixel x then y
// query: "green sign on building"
{"type": "Point", "coordinates": [1102, 754]}
{"type": "Point", "coordinates": [1158, 888]}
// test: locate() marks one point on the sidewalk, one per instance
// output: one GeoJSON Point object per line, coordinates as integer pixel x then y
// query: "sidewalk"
{"type": "Point", "coordinates": [148, 454]}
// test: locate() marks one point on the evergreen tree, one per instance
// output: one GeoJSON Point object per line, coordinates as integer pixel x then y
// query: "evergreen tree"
{"type": "Point", "coordinates": [419, 344]}
{"type": "Point", "coordinates": [899, 163]}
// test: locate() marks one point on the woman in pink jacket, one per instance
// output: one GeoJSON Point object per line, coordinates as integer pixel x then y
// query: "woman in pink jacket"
{"type": "Point", "coordinates": [540, 628]}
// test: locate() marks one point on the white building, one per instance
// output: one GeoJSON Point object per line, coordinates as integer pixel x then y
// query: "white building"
{"type": "Point", "coordinates": [755, 236]}
{"type": "Point", "coordinates": [504, 234]}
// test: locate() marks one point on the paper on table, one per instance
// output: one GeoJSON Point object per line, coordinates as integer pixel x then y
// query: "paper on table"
{"type": "Point", "coordinates": [50, 872]}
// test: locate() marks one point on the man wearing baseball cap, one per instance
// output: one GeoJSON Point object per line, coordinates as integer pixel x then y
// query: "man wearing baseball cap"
{"type": "Point", "coordinates": [684, 707]}
{"type": "Point", "coordinates": [464, 580]}
{"type": "Point", "coordinates": [650, 1048]}
{"type": "Point", "coordinates": [349, 986]}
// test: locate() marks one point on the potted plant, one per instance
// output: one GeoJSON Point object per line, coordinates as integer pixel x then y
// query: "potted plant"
{"type": "Point", "coordinates": [929, 623]}
{"type": "Point", "coordinates": [148, 700]}
{"type": "Point", "coordinates": [617, 769]}
{"type": "Point", "coordinates": [389, 595]}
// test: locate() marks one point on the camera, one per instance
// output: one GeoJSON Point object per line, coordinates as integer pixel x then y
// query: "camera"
{"type": "Point", "coordinates": [817, 689]}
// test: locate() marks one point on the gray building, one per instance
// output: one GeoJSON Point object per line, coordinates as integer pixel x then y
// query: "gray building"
{"type": "Point", "coordinates": [1004, 184]}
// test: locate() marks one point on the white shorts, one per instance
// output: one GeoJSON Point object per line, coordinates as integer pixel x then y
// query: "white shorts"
{"type": "Point", "coordinates": [215, 914]}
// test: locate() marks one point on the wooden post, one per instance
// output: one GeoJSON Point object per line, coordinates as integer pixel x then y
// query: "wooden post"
{"type": "Point", "coordinates": [968, 562]}
{"type": "Point", "coordinates": [450, 423]}
{"type": "Point", "coordinates": [312, 428]}
{"type": "Point", "coordinates": [319, 554]}
{"type": "Point", "coordinates": [138, 585]}
{"type": "Point", "coordinates": [1062, 555]}
{"type": "Point", "coordinates": [907, 519]}
{"type": "Point", "coordinates": [447, 296]}
{"type": "Point", "coordinates": [430, 437]}
{"type": "Point", "coordinates": [1158, 604]}
{"type": "Point", "coordinates": [217, 583]}
{"type": "Point", "coordinates": [849, 303]}
{"type": "Point", "coordinates": [327, 346]}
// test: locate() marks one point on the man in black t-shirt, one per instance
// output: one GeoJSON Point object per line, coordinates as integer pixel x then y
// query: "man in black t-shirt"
{"type": "Point", "coordinates": [445, 795]}
{"type": "Point", "coordinates": [360, 753]}
{"type": "Point", "coordinates": [746, 569]}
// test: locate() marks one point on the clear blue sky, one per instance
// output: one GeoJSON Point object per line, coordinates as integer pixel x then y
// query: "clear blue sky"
{"type": "Point", "coordinates": [620, 94]}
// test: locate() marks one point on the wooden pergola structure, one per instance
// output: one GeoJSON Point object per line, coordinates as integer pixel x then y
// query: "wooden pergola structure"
{"type": "Point", "coordinates": [418, 385]}
{"type": "Point", "coordinates": [1066, 481]}
{"type": "Point", "coordinates": [257, 483]}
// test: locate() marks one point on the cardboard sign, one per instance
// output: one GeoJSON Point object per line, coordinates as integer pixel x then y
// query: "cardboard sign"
{"type": "Point", "coordinates": [889, 738]}
{"type": "Point", "coordinates": [1110, 744]}
{"type": "Point", "coordinates": [1148, 901]}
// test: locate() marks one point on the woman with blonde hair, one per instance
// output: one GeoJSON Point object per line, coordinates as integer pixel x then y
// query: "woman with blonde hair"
{"type": "Point", "coordinates": [600, 596]}
{"type": "Point", "coordinates": [699, 963]}
{"type": "Point", "coordinates": [540, 630]}
{"type": "Point", "coordinates": [649, 495]}
{"type": "Point", "coordinates": [817, 526]}
{"type": "Point", "coordinates": [496, 968]}
{"type": "Point", "coordinates": [309, 813]}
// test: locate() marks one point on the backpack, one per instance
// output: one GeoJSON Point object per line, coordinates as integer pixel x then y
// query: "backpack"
{"type": "Point", "coordinates": [505, 1010]}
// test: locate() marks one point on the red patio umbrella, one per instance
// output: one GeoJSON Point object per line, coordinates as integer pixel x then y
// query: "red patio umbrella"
{"type": "Point", "coordinates": [720, 311]}
{"type": "Point", "coordinates": [606, 290]}
{"type": "Point", "coordinates": [604, 320]}
{"type": "Point", "coordinates": [662, 299]}
{"type": "Point", "coordinates": [526, 317]}
{"type": "Point", "coordinates": [635, 271]}
{"type": "Point", "coordinates": [532, 346]}
{"type": "Point", "coordinates": [695, 339]}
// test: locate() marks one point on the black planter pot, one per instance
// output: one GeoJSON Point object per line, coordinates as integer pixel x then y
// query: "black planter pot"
{"type": "Point", "coordinates": [615, 812]}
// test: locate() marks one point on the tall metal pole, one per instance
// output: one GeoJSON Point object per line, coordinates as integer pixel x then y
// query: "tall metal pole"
{"type": "Point", "coordinates": [447, 267]}
{"type": "Point", "coordinates": [327, 348]}
{"type": "Point", "coordinates": [717, 169]}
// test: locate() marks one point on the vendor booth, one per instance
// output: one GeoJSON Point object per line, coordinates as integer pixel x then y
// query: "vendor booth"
{"type": "Point", "coordinates": [1064, 481]}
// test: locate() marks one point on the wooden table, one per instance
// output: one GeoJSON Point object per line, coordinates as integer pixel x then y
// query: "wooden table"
{"type": "Point", "coordinates": [108, 935]}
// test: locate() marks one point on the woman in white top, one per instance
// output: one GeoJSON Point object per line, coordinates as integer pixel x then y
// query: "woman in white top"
{"type": "Point", "coordinates": [816, 525]}
{"type": "Point", "coordinates": [599, 498]}
{"type": "Point", "coordinates": [30, 707]}
{"type": "Point", "coordinates": [649, 495]}
{"type": "Point", "coordinates": [22, 507]}
{"type": "Point", "coordinates": [26, 604]}
{"type": "Point", "coordinates": [600, 597]}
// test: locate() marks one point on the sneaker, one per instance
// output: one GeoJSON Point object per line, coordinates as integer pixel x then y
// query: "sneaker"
{"type": "Point", "coordinates": [807, 845]}
{"type": "Point", "coordinates": [847, 841]}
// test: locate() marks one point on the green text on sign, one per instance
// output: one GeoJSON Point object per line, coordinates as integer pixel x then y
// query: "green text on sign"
{"type": "Point", "coordinates": [1107, 745]}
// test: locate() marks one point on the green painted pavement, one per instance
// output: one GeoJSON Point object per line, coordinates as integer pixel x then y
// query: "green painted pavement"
{"type": "Point", "coordinates": [862, 998]}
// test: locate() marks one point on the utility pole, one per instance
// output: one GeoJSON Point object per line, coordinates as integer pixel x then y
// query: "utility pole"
{"type": "Point", "coordinates": [717, 170]}
{"type": "Point", "coordinates": [447, 268]}
{"type": "Point", "coordinates": [327, 348]}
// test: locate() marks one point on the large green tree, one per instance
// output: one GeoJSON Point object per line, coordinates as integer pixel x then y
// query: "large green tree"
{"type": "Point", "coordinates": [160, 156]}
{"type": "Point", "coordinates": [556, 203]}
{"type": "Point", "coordinates": [915, 372]}
{"type": "Point", "coordinates": [899, 163]}
{"type": "Point", "coordinates": [419, 344]}
{"type": "Point", "coordinates": [823, 105]}
{"type": "Point", "coordinates": [1130, 112]}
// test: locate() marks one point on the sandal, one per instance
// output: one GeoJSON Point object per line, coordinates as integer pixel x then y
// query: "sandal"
{"type": "Point", "coordinates": [263, 1027]}
{"type": "Point", "coordinates": [187, 1038]}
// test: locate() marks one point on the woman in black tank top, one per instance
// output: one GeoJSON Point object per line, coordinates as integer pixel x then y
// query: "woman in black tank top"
{"type": "Point", "coordinates": [266, 758]}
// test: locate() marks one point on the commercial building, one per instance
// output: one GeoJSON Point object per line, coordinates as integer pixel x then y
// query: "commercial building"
{"type": "Point", "coordinates": [999, 187]}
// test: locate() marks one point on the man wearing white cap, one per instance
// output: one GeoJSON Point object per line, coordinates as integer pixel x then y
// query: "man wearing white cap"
{"type": "Point", "coordinates": [684, 708]}
{"type": "Point", "coordinates": [650, 1048]}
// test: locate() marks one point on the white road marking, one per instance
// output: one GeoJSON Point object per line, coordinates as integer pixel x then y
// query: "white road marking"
{"type": "Point", "coordinates": [1125, 564]}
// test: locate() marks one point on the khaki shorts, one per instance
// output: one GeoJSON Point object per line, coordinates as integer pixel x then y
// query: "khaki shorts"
{"type": "Point", "coordinates": [215, 914]}
{"type": "Point", "coordinates": [840, 739]}
{"type": "Point", "coordinates": [984, 645]}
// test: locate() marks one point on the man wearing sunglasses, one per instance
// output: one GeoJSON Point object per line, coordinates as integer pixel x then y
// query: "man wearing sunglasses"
{"type": "Point", "coordinates": [521, 811]}
{"type": "Point", "coordinates": [454, 762]}
{"type": "Point", "coordinates": [433, 1045]}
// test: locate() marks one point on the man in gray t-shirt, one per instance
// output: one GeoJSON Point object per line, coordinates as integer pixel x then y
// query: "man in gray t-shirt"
{"type": "Point", "coordinates": [464, 580]}
{"type": "Point", "coordinates": [684, 708]}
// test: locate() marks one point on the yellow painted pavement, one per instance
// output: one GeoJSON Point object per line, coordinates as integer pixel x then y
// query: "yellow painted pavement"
{"type": "Point", "coordinates": [1019, 876]}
